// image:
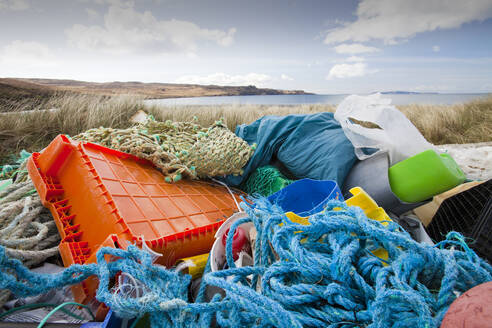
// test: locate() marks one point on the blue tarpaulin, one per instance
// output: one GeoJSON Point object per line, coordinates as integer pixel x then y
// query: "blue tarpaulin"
{"type": "Point", "coordinates": [309, 146]}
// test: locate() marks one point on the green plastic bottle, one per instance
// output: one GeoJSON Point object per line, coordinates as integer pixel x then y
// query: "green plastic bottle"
{"type": "Point", "coordinates": [424, 175]}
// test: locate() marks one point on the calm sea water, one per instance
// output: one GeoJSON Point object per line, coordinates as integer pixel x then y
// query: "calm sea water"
{"type": "Point", "coordinates": [397, 99]}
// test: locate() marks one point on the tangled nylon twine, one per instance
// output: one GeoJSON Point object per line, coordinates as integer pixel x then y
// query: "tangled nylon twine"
{"type": "Point", "coordinates": [178, 149]}
{"type": "Point", "coordinates": [322, 274]}
{"type": "Point", "coordinates": [27, 230]}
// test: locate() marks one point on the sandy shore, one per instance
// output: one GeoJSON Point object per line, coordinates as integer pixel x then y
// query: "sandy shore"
{"type": "Point", "coordinates": [474, 159]}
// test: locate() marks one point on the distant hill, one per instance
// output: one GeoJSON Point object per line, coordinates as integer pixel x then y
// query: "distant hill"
{"type": "Point", "coordinates": [35, 92]}
{"type": "Point", "coordinates": [157, 90]}
{"type": "Point", "coordinates": [13, 91]}
{"type": "Point", "coordinates": [407, 93]}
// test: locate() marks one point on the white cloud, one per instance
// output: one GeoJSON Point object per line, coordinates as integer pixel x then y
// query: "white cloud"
{"type": "Point", "coordinates": [226, 79]}
{"type": "Point", "coordinates": [93, 14]}
{"type": "Point", "coordinates": [127, 30]}
{"type": "Point", "coordinates": [355, 59]}
{"type": "Point", "coordinates": [285, 77]}
{"type": "Point", "coordinates": [14, 4]}
{"type": "Point", "coordinates": [342, 71]}
{"type": "Point", "coordinates": [121, 3]}
{"type": "Point", "coordinates": [396, 20]}
{"type": "Point", "coordinates": [436, 48]}
{"type": "Point", "coordinates": [27, 53]}
{"type": "Point", "coordinates": [486, 87]}
{"type": "Point", "coordinates": [354, 48]}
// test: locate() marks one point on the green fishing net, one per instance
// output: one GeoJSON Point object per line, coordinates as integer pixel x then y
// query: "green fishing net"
{"type": "Point", "coordinates": [265, 181]}
{"type": "Point", "coordinates": [178, 149]}
{"type": "Point", "coordinates": [15, 163]}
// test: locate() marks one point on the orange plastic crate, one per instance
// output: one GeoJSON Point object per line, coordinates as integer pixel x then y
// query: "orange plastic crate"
{"type": "Point", "coordinates": [103, 197]}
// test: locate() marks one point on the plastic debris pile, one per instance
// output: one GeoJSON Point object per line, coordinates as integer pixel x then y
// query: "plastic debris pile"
{"type": "Point", "coordinates": [178, 149]}
{"type": "Point", "coordinates": [178, 254]}
{"type": "Point", "coordinates": [315, 275]}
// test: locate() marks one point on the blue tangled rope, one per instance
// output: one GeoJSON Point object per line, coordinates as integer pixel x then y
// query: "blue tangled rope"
{"type": "Point", "coordinates": [322, 274]}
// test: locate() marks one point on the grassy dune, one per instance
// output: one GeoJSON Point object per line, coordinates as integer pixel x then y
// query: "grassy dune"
{"type": "Point", "coordinates": [33, 130]}
{"type": "Point", "coordinates": [16, 93]}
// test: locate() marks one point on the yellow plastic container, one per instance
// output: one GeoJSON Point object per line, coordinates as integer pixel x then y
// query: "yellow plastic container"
{"type": "Point", "coordinates": [195, 265]}
{"type": "Point", "coordinates": [361, 199]}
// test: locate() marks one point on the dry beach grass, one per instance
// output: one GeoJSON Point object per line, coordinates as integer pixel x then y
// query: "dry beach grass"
{"type": "Point", "coordinates": [35, 128]}
{"type": "Point", "coordinates": [440, 124]}
{"type": "Point", "coordinates": [464, 123]}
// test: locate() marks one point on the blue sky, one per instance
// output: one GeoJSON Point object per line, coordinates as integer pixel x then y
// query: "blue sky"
{"type": "Point", "coordinates": [319, 46]}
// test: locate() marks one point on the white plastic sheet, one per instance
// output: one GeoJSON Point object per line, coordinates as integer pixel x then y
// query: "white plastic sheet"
{"type": "Point", "coordinates": [397, 134]}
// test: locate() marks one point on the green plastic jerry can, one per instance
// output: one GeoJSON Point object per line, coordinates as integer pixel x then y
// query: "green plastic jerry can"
{"type": "Point", "coordinates": [424, 175]}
